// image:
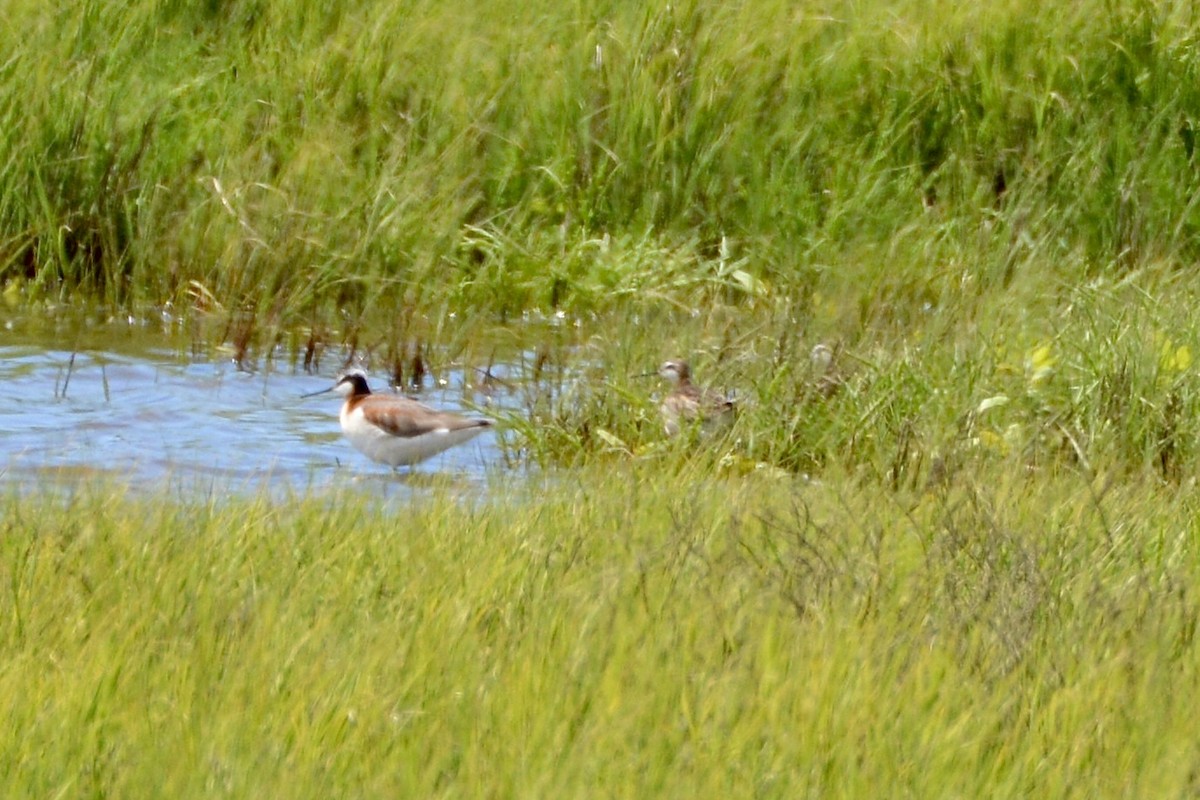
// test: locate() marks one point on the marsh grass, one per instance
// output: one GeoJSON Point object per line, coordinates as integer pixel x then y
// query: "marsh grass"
{"type": "Point", "coordinates": [1094, 378]}
{"type": "Point", "coordinates": [929, 192]}
{"type": "Point", "coordinates": [660, 633]}
{"type": "Point", "coordinates": [955, 560]}
{"type": "Point", "coordinates": [383, 160]}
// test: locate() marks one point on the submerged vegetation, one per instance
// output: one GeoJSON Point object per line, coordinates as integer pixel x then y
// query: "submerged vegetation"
{"type": "Point", "coordinates": [956, 557]}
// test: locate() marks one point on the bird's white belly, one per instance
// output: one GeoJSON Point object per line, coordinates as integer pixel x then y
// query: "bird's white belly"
{"type": "Point", "coordinates": [395, 451]}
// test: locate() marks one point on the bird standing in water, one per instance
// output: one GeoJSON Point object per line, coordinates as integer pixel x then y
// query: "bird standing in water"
{"type": "Point", "coordinates": [395, 430]}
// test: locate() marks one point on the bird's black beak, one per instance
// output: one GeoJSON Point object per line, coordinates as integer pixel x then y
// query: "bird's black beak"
{"type": "Point", "coordinates": [314, 394]}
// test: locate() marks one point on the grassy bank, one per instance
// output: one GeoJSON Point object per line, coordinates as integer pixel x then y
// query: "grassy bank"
{"type": "Point", "coordinates": [654, 633]}
{"type": "Point", "coordinates": [391, 159]}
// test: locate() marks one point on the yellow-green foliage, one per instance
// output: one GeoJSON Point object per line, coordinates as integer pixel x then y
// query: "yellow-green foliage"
{"type": "Point", "coordinates": [987, 211]}
{"type": "Point", "coordinates": [629, 633]}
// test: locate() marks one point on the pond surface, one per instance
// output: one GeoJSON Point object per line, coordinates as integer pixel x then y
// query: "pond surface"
{"type": "Point", "coordinates": [133, 409]}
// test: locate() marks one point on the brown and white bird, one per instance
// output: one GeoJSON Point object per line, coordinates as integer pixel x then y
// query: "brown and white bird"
{"type": "Point", "coordinates": [689, 404]}
{"type": "Point", "coordinates": [396, 430]}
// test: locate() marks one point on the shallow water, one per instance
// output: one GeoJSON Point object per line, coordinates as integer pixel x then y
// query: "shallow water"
{"type": "Point", "coordinates": [137, 411]}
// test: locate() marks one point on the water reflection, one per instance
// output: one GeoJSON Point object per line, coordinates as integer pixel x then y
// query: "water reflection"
{"type": "Point", "coordinates": [157, 417]}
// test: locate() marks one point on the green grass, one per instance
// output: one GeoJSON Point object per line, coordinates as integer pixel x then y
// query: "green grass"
{"type": "Point", "coordinates": [959, 564]}
{"type": "Point", "coordinates": [1096, 377]}
{"type": "Point", "coordinates": [649, 633]}
{"type": "Point", "coordinates": [392, 160]}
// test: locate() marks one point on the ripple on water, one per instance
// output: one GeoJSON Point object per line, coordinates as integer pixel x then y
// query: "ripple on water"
{"type": "Point", "coordinates": [156, 418]}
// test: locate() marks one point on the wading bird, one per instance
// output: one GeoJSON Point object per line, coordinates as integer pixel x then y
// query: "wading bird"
{"type": "Point", "coordinates": [396, 430]}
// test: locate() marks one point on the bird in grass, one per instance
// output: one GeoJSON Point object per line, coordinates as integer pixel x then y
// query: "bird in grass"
{"type": "Point", "coordinates": [395, 430]}
{"type": "Point", "coordinates": [688, 403]}
{"type": "Point", "coordinates": [825, 376]}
